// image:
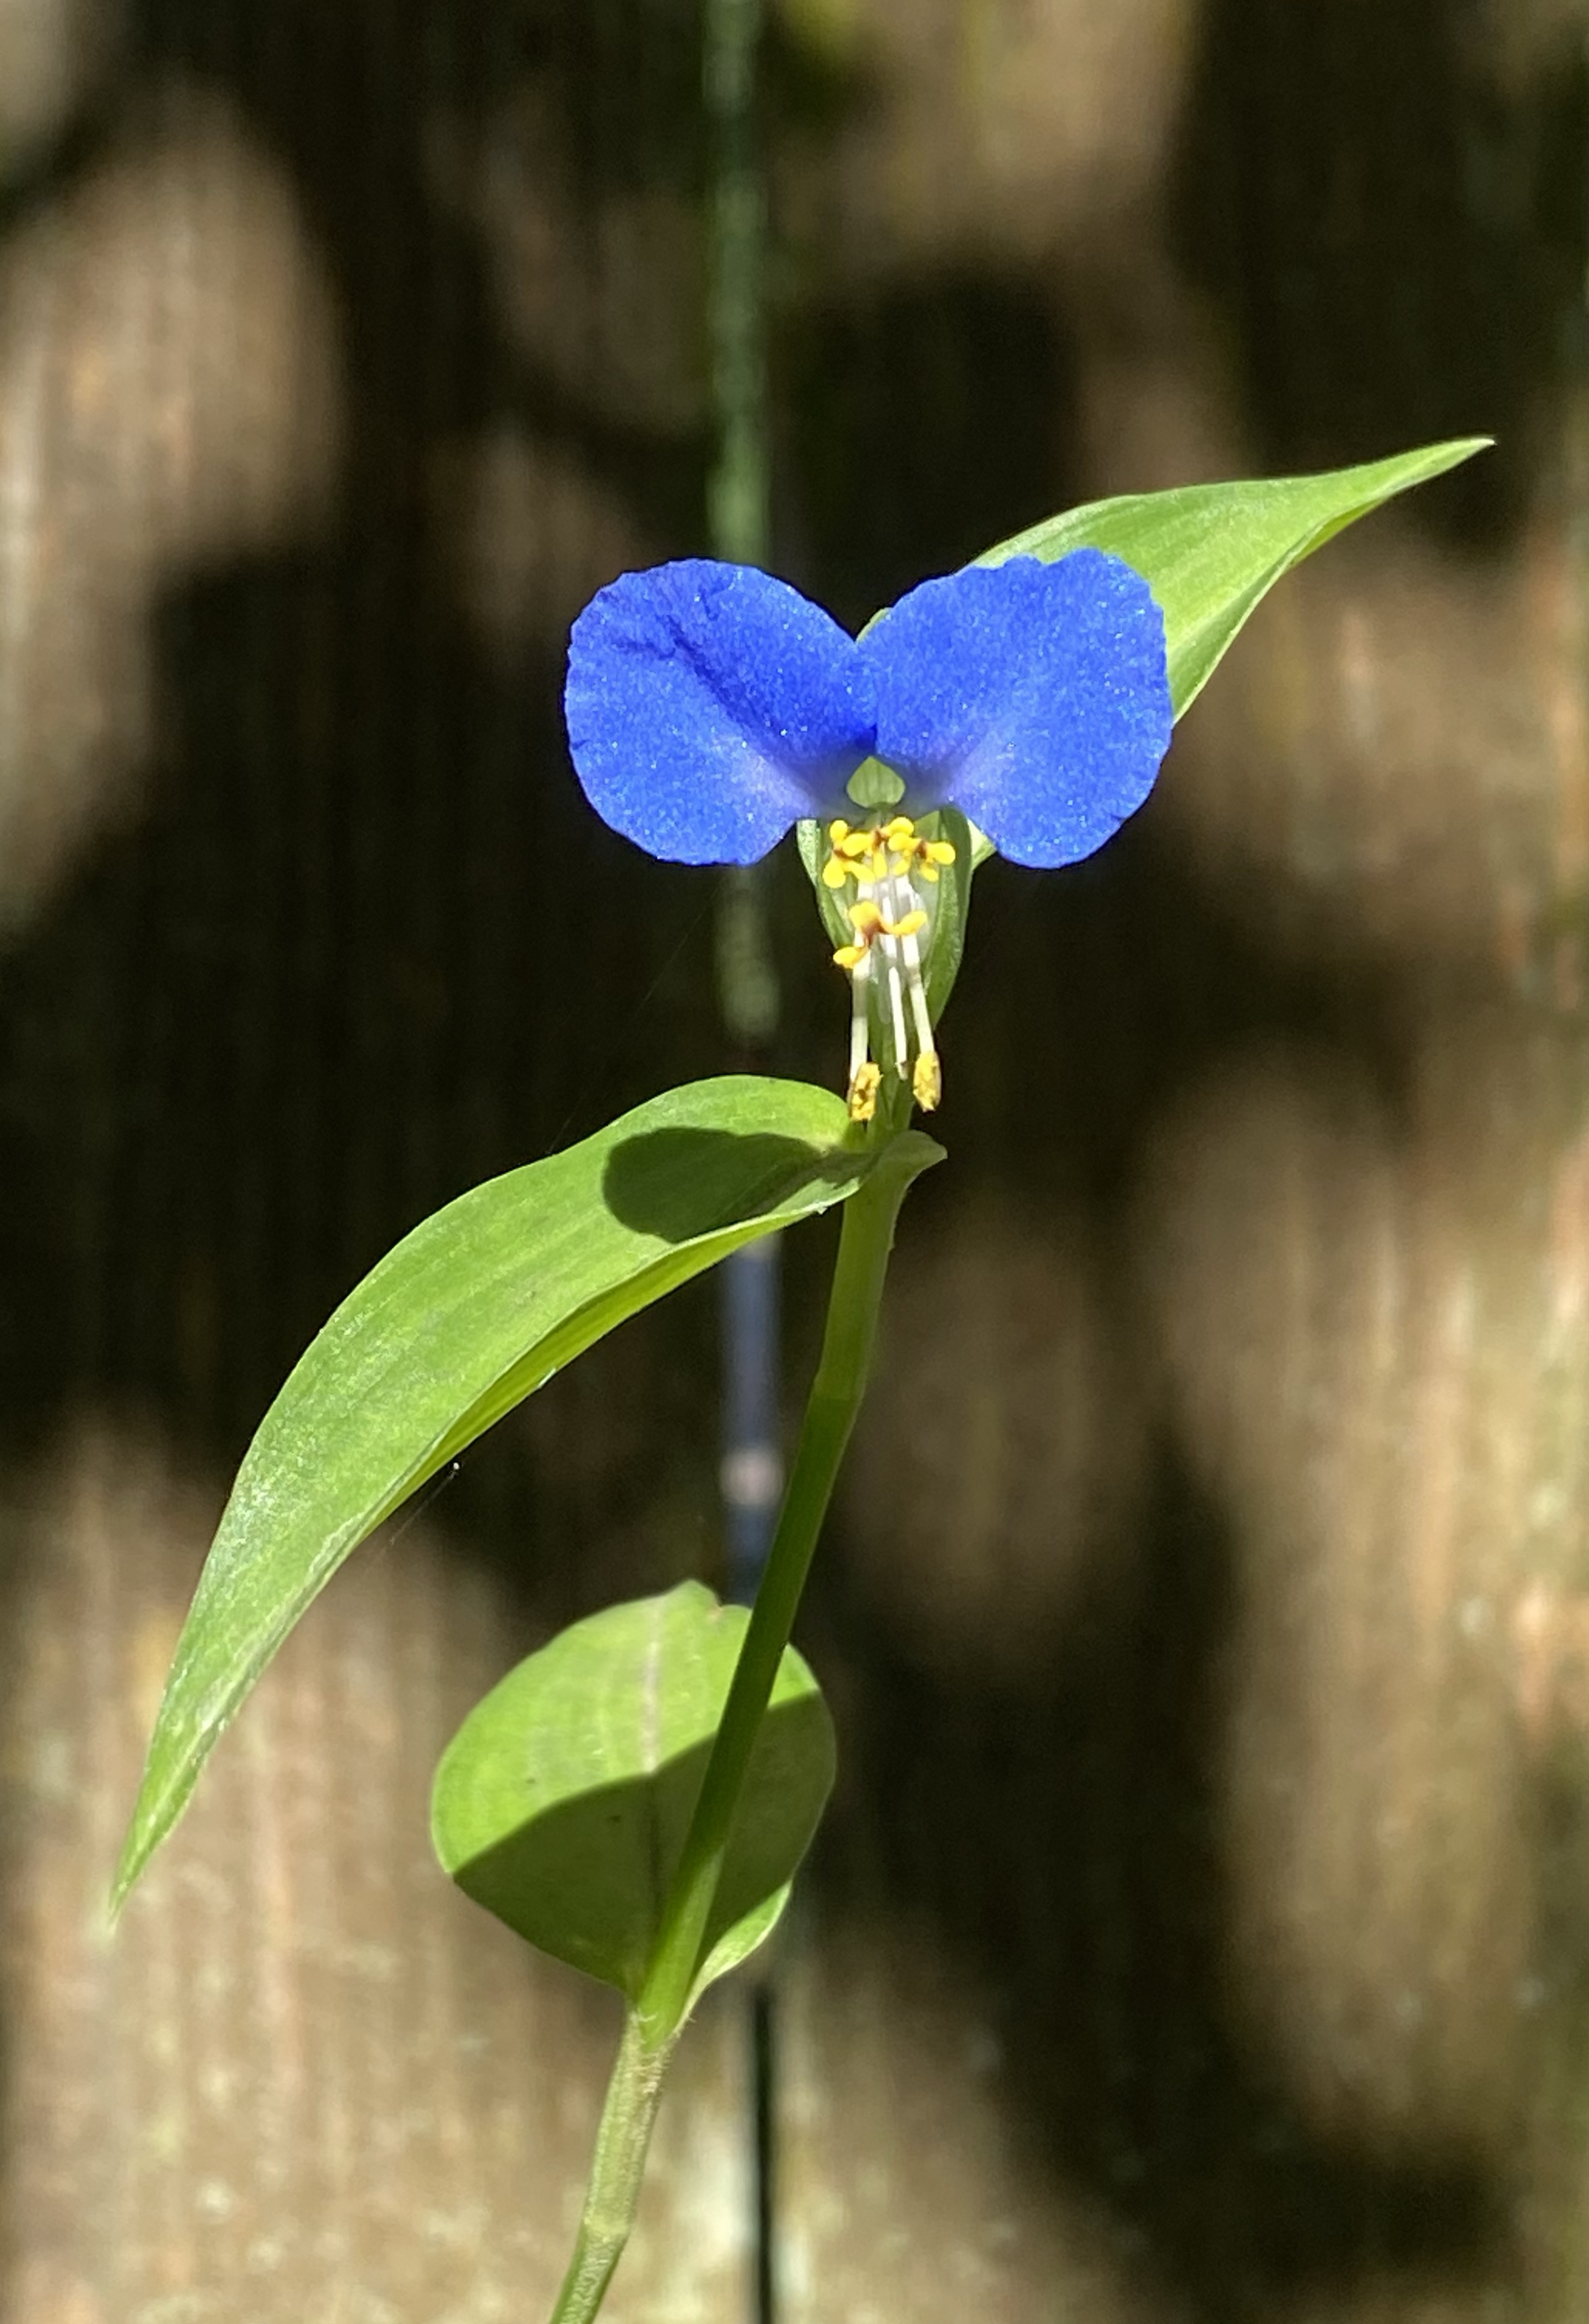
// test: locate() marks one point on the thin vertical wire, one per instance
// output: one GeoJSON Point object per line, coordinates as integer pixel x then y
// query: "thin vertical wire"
{"type": "Point", "coordinates": [738, 504]}
{"type": "Point", "coordinates": [739, 522]}
{"type": "Point", "coordinates": [739, 516]}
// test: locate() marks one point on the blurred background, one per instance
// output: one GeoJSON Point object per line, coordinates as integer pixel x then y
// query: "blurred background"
{"type": "Point", "coordinates": [1200, 1934]}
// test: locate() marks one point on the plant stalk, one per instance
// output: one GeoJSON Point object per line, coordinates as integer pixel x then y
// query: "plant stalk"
{"type": "Point", "coordinates": [865, 1242]}
{"type": "Point", "coordinates": [652, 2028]}
{"type": "Point", "coordinates": [617, 2171]}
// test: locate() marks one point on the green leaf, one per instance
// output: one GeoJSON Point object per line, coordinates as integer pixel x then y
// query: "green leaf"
{"type": "Point", "coordinates": [1211, 552]}
{"type": "Point", "coordinates": [474, 1310]}
{"type": "Point", "coordinates": [562, 1802]}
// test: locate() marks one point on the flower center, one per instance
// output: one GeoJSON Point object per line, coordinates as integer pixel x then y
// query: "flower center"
{"type": "Point", "coordinates": [885, 863]}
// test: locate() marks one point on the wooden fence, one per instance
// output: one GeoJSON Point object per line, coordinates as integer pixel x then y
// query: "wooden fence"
{"type": "Point", "coordinates": [1201, 1932]}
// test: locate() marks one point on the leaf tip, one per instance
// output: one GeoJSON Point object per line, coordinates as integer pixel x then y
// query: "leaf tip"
{"type": "Point", "coordinates": [128, 1871]}
{"type": "Point", "coordinates": [152, 1818]}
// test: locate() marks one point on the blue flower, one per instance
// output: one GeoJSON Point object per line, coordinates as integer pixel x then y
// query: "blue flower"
{"type": "Point", "coordinates": [711, 706]}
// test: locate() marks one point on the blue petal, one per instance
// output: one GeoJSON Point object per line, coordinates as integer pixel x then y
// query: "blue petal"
{"type": "Point", "coordinates": [1034, 698]}
{"type": "Point", "coordinates": [709, 706]}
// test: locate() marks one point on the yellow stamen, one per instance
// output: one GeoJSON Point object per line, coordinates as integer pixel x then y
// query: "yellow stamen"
{"type": "Point", "coordinates": [865, 1084]}
{"type": "Point", "coordinates": [927, 855]}
{"type": "Point", "coordinates": [894, 850]}
{"type": "Point", "coordinates": [882, 860]}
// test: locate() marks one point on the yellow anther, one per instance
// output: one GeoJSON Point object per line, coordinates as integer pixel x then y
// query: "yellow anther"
{"type": "Point", "coordinates": [861, 855]}
{"type": "Point", "coordinates": [867, 922]}
{"type": "Point", "coordinates": [914, 856]}
{"type": "Point", "coordinates": [864, 1084]}
{"type": "Point", "coordinates": [932, 852]}
{"type": "Point", "coordinates": [927, 1081]}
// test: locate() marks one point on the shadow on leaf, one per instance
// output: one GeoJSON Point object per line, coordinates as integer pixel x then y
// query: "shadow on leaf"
{"type": "Point", "coordinates": [680, 1184]}
{"type": "Point", "coordinates": [585, 1878]}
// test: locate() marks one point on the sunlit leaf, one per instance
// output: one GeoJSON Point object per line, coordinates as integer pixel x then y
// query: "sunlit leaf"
{"type": "Point", "coordinates": [1212, 552]}
{"type": "Point", "coordinates": [471, 1312]}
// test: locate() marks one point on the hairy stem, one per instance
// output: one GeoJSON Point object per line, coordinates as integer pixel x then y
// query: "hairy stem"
{"type": "Point", "coordinates": [633, 2095]}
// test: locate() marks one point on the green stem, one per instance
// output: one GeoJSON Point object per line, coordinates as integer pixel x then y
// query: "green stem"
{"type": "Point", "coordinates": [651, 2030]}
{"type": "Point", "coordinates": [611, 2200]}
{"type": "Point", "coordinates": [864, 1244]}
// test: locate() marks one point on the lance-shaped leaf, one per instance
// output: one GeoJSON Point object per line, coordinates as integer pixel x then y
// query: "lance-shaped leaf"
{"type": "Point", "coordinates": [562, 1802]}
{"type": "Point", "coordinates": [1211, 552]}
{"type": "Point", "coordinates": [472, 1311]}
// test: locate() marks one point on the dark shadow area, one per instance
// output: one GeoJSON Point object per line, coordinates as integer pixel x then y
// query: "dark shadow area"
{"type": "Point", "coordinates": [1395, 239]}
{"type": "Point", "coordinates": [310, 998]}
{"type": "Point", "coordinates": [679, 1183]}
{"type": "Point", "coordinates": [1089, 1006]}
{"type": "Point", "coordinates": [923, 424]}
{"type": "Point", "coordinates": [1064, 1841]}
